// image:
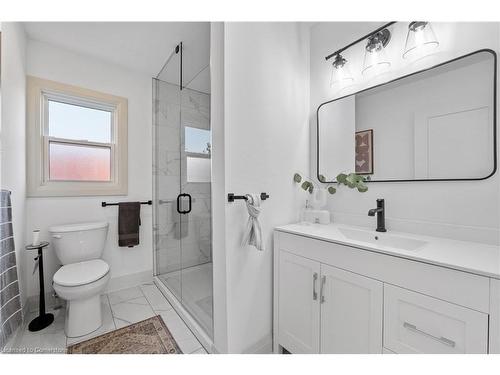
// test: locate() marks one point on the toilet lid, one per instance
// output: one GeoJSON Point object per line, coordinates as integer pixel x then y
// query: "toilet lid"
{"type": "Point", "coordinates": [81, 273]}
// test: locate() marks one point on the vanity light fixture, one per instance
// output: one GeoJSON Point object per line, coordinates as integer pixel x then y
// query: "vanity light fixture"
{"type": "Point", "coordinates": [341, 74]}
{"type": "Point", "coordinates": [420, 40]}
{"type": "Point", "coordinates": [377, 40]}
{"type": "Point", "coordinates": [376, 60]}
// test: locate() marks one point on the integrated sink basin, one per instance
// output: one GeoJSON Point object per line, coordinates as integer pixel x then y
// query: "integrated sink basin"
{"type": "Point", "coordinates": [382, 239]}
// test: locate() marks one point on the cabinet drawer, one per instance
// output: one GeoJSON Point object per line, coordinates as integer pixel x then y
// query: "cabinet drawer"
{"type": "Point", "coordinates": [415, 323]}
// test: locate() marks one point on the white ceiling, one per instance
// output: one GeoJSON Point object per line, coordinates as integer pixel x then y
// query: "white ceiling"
{"type": "Point", "coordinates": [140, 46]}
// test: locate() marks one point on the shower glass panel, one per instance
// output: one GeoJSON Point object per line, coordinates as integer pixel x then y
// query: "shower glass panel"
{"type": "Point", "coordinates": [196, 255]}
{"type": "Point", "coordinates": [166, 170]}
{"type": "Point", "coordinates": [182, 186]}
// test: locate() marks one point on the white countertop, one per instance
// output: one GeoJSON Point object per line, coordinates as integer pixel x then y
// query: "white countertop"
{"type": "Point", "coordinates": [473, 257]}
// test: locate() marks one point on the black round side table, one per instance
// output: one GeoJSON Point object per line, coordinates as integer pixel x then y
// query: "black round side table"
{"type": "Point", "coordinates": [43, 320]}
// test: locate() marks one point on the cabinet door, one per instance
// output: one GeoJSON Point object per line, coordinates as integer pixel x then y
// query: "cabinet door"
{"type": "Point", "coordinates": [351, 312]}
{"type": "Point", "coordinates": [298, 304]}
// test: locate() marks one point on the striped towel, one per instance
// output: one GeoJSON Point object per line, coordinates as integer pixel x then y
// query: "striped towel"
{"type": "Point", "coordinates": [253, 231]}
{"type": "Point", "coordinates": [10, 302]}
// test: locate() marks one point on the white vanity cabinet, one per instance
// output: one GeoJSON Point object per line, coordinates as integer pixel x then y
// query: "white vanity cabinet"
{"type": "Point", "coordinates": [335, 298]}
{"type": "Point", "coordinates": [323, 309]}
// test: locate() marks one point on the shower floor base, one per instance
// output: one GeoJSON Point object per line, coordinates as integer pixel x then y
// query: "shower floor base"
{"type": "Point", "coordinates": [196, 291]}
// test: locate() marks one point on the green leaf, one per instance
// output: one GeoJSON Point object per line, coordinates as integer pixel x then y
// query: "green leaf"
{"type": "Point", "coordinates": [353, 181]}
{"type": "Point", "coordinates": [351, 178]}
{"type": "Point", "coordinates": [350, 181]}
{"type": "Point", "coordinates": [362, 188]}
{"type": "Point", "coordinates": [332, 190]}
{"type": "Point", "coordinates": [341, 178]}
{"type": "Point", "coordinates": [322, 178]}
{"type": "Point", "coordinates": [305, 185]}
{"type": "Point", "coordinates": [297, 178]}
{"type": "Point", "coordinates": [311, 188]}
{"type": "Point", "coordinates": [360, 179]}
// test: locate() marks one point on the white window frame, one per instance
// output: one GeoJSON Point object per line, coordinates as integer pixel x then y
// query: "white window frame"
{"type": "Point", "coordinates": [40, 91]}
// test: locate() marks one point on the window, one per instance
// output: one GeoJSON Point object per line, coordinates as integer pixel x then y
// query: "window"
{"type": "Point", "coordinates": [77, 141]}
{"type": "Point", "coordinates": [198, 151]}
{"type": "Point", "coordinates": [197, 141]}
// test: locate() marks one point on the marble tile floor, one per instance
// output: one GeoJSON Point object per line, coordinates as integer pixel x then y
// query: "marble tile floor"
{"type": "Point", "coordinates": [120, 309]}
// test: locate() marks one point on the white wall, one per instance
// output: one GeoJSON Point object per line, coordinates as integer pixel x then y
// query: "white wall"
{"type": "Point", "coordinates": [218, 186]}
{"type": "Point", "coordinates": [266, 141]}
{"type": "Point", "coordinates": [13, 145]}
{"type": "Point", "coordinates": [50, 62]}
{"type": "Point", "coordinates": [463, 210]}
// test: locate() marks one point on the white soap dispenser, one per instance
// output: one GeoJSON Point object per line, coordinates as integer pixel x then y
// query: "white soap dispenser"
{"type": "Point", "coordinates": [317, 215]}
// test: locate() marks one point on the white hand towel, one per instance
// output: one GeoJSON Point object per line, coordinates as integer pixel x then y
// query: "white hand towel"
{"type": "Point", "coordinates": [253, 232]}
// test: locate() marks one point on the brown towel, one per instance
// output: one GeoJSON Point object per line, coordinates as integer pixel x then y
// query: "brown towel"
{"type": "Point", "coordinates": [129, 220]}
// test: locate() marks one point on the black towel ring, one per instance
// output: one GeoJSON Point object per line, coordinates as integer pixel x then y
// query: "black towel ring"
{"type": "Point", "coordinates": [231, 197]}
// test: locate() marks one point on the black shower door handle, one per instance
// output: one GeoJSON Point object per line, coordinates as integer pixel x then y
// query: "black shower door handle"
{"type": "Point", "coordinates": [179, 197]}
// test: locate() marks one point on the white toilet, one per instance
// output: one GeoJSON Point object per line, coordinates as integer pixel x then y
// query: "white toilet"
{"type": "Point", "coordinates": [83, 275]}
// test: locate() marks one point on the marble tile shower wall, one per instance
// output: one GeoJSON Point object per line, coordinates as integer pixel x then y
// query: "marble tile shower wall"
{"type": "Point", "coordinates": [174, 111]}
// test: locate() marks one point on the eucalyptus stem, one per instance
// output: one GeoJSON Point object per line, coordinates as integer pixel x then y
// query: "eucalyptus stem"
{"type": "Point", "coordinates": [351, 180]}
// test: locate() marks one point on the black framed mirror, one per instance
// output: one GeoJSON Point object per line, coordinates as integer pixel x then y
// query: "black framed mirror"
{"type": "Point", "coordinates": [437, 124]}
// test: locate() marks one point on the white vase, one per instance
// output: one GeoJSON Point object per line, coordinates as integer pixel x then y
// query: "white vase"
{"type": "Point", "coordinates": [318, 198]}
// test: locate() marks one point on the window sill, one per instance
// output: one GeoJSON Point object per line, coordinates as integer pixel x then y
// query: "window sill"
{"type": "Point", "coordinates": [76, 189]}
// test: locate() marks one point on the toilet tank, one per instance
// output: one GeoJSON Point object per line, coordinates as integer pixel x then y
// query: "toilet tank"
{"type": "Point", "coordinates": [79, 242]}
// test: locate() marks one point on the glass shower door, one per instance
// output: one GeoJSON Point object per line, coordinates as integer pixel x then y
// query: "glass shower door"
{"type": "Point", "coordinates": [196, 244]}
{"type": "Point", "coordinates": [166, 169]}
{"type": "Point", "coordinates": [182, 192]}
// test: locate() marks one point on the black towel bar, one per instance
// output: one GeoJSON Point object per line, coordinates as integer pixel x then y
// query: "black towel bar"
{"type": "Point", "coordinates": [104, 204]}
{"type": "Point", "coordinates": [231, 197]}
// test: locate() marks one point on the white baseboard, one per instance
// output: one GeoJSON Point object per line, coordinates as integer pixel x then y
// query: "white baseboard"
{"type": "Point", "coordinates": [51, 302]}
{"type": "Point", "coordinates": [263, 346]}
{"type": "Point", "coordinates": [115, 283]}
{"type": "Point", "coordinates": [129, 281]}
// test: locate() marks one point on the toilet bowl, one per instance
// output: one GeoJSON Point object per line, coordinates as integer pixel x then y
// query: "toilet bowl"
{"type": "Point", "coordinates": [81, 285]}
{"type": "Point", "coordinates": [83, 276]}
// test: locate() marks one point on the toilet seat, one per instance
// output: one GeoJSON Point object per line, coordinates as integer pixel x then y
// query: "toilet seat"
{"type": "Point", "coordinates": [81, 273]}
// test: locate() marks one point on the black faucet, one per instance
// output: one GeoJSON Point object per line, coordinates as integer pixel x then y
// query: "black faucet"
{"type": "Point", "coordinates": [380, 211]}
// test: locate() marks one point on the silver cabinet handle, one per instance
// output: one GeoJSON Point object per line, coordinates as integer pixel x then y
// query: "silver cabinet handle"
{"type": "Point", "coordinates": [442, 340]}
{"type": "Point", "coordinates": [323, 281]}
{"type": "Point", "coordinates": [315, 279]}
{"type": "Point", "coordinates": [56, 236]}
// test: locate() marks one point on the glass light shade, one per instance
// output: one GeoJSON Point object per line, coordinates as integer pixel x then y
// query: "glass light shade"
{"type": "Point", "coordinates": [420, 40]}
{"type": "Point", "coordinates": [375, 61]}
{"type": "Point", "coordinates": [341, 75]}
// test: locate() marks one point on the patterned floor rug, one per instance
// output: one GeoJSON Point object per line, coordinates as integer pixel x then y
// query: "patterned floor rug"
{"type": "Point", "coordinates": [151, 336]}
